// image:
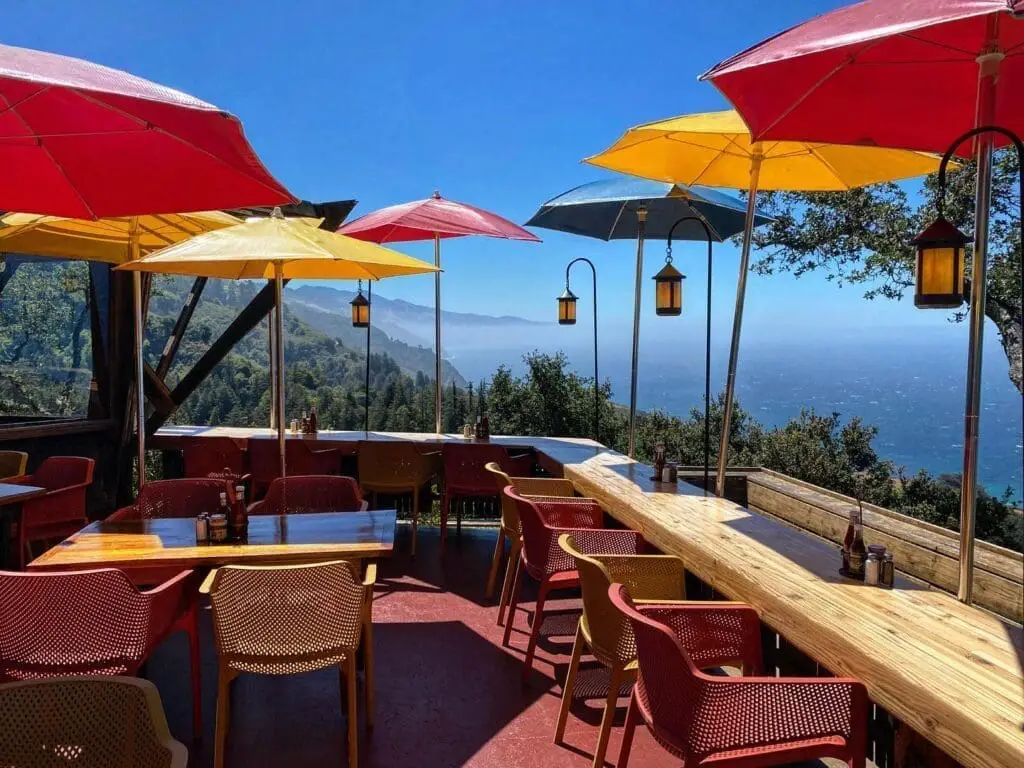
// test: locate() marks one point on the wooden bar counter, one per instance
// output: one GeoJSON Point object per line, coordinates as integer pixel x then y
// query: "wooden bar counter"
{"type": "Point", "coordinates": [951, 672]}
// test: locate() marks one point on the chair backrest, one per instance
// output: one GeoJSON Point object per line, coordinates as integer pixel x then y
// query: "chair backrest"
{"type": "Point", "coordinates": [300, 459]}
{"type": "Point", "coordinates": [386, 464]}
{"type": "Point", "coordinates": [77, 622]}
{"type": "Point", "coordinates": [206, 456]}
{"type": "Point", "coordinates": [12, 463]}
{"type": "Point", "coordinates": [464, 466]}
{"type": "Point", "coordinates": [63, 471]}
{"type": "Point", "coordinates": [509, 510]}
{"type": "Point", "coordinates": [88, 722]}
{"type": "Point", "coordinates": [181, 497]}
{"type": "Point", "coordinates": [668, 684]}
{"type": "Point", "coordinates": [264, 463]}
{"type": "Point", "coordinates": [541, 553]}
{"type": "Point", "coordinates": [272, 614]}
{"type": "Point", "coordinates": [298, 494]}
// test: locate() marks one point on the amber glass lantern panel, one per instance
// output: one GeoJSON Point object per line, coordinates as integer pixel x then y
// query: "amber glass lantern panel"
{"type": "Point", "coordinates": [360, 312]}
{"type": "Point", "coordinates": [940, 277]}
{"type": "Point", "coordinates": [567, 310]}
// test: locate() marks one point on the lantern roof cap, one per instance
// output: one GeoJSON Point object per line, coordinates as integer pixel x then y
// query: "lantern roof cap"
{"type": "Point", "coordinates": [359, 300]}
{"type": "Point", "coordinates": [567, 295]}
{"type": "Point", "coordinates": [668, 272]}
{"type": "Point", "coordinates": [942, 232]}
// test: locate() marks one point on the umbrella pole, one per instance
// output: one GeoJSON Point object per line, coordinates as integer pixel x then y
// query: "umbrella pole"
{"type": "Point", "coordinates": [366, 388]}
{"type": "Point", "coordinates": [437, 335]}
{"type": "Point", "coordinates": [140, 381]}
{"type": "Point", "coordinates": [271, 353]}
{"type": "Point", "coordinates": [279, 360]}
{"type": "Point", "coordinates": [737, 322]}
{"type": "Point", "coordinates": [707, 381]}
{"type": "Point", "coordinates": [641, 218]}
{"type": "Point", "coordinates": [988, 71]}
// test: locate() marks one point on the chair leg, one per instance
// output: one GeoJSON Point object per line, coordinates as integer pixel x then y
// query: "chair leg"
{"type": "Point", "coordinates": [459, 506]}
{"type": "Point", "coordinates": [511, 565]}
{"type": "Point", "coordinates": [499, 551]}
{"type": "Point", "coordinates": [538, 619]}
{"type": "Point", "coordinates": [224, 678]}
{"type": "Point", "coordinates": [446, 502]}
{"type": "Point", "coordinates": [368, 671]}
{"type": "Point", "coordinates": [570, 683]}
{"type": "Point", "coordinates": [415, 517]}
{"type": "Point", "coordinates": [609, 715]}
{"type": "Point", "coordinates": [192, 623]}
{"type": "Point", "coordinates": [632, 715]}
{"type": "Point", "coordinates": [350, 688]}
{"type": "Point", "coordinates": [517, 586]}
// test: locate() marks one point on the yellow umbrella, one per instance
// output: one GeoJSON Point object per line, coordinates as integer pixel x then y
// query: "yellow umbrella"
{"type": "Point", "coordinates": [714, 149]}
{"type": "Point", "coordinates": [279, 249]}
{"type": "Point", "coordinates": [105, 240]}
{"type": "Point", "coordinates": [112, 241]}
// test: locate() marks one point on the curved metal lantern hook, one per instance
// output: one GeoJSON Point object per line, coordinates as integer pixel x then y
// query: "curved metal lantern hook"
{"type": "Point", "coordinates": [597, 381]}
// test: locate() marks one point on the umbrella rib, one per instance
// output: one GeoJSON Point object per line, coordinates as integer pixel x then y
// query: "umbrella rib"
{"type": "Point", "coordinates": [153, 126]}
{"type": "Point", "coordinates": [831, 169]}
{"type": "Point", "coordinates": [13, 107]}
{"type": "Point", "coordinates": [615, 222]}
{"type": "Point", "coordinates": [14, 111]}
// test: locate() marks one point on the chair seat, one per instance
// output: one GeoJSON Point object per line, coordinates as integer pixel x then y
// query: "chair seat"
{"type": "Point", "coordinates": [43, 668]}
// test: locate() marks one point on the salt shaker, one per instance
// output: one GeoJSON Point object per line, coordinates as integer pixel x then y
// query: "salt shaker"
{"type": "Point", "coordinates": [202, 528]}
{"type": "Point", "coordinates": [888, 577]}
{"type": "Point", "coordinates": [872, 569]}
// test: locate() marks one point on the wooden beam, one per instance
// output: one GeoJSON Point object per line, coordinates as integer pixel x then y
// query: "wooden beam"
{"type": "Point", "coordinates": [180, 326]}
{"type": "Point", "coordinates": [157, 392]}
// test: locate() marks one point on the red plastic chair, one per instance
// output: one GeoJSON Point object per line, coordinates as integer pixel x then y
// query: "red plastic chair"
{"type": "Point", "coordinates": [465, 475]}
{"type": "Point", "coordinates": [310, 493]}
{"type": "Point", "coordinates": [217, 457]}
{"type": "Point", "coordinates": [61, 512]}
{"type": "Point", "coordinates": [92, 623]}
{"type": "Point", "coordinates": [747, 722]}
{"type": "Point", "coordinates": [176, 498]}
{"type": "Point", "coordinates": [543, 521]}
{"type": "Point", "coordinates": [300, 457]}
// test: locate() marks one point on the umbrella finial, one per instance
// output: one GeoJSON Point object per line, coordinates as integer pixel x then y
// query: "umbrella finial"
{"type": "Point", "coordinates": [436, 195]}
{"type": "Point", "coordinates": [276, 213]}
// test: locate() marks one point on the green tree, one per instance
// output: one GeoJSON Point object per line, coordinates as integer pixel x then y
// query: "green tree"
{"type": "Point", "coordinates": [863, 237]}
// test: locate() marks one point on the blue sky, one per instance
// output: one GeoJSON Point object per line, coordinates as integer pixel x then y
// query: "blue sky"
{"type": "Point", "coordinates": [492, 103]}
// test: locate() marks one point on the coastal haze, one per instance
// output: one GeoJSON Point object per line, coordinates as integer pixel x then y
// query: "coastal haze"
{"type": "Point", "coordinates": [906, 381]}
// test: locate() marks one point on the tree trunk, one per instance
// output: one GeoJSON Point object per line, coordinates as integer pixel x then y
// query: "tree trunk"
{"type": "Point", "coordinates": [1011, 335]}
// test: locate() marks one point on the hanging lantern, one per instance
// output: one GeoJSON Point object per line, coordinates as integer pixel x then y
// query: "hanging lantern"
{"type": "Point", "coordinates": [567, 308]}
{"type": "Point", "coordinates": [360, 309]}
{"type": "Point", "coordinates": [668, 290]}
{"type": "Point", "coordinates": [940, 266]}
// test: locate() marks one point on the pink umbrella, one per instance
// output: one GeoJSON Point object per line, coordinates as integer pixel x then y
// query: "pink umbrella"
{"type": "Point", "coordinates": [433, 219]}
{"type": "Point", "coordinates": [84, 141]}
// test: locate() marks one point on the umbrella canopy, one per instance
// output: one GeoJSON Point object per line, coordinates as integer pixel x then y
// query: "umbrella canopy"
{"type": "Point", "coordinates": [714, 148]}
{"type": "Point", "coordinates": [252, 250]}
{"type": "Point", "coordinates": [81, 140]}
{"type": "Point", "coordinates": [104, 240]}
{"type": "Point", "coordinates": [607, 210]}
{"type": "Point", "coordinates": [891, 74]}
{"type": "Point", "coordinates": [430, 218]}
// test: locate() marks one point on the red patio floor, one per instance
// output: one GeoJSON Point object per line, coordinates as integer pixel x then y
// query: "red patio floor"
{"type": "Point", "coordinates": [447, 692]}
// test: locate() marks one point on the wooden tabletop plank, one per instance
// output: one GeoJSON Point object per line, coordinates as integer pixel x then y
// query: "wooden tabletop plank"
{"type": "Point", "coordinates": [171, 542]}
{"type": "Point", "coordinates": [13, 493]}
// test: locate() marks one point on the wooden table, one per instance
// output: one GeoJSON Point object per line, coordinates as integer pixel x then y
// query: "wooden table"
{"type": "Point", "coordinates": [138, 546]}
{"type": "Point", "coordinates": [11, 497]}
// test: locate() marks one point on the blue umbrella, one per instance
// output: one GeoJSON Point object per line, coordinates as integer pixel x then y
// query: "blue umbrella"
{"type": "Point", "coordinates": [634, 209]}
{"type": "Point", "coordinates": [607, 210]}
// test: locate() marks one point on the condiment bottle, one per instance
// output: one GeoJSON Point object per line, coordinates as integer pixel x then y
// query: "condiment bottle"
{"type": "Point", "coordinates": [202, 528]}
{"type": "Point", "coordinates": [872, 570]}
{"type": "Point", "coordinates": [888, 577]}
{"type": "Point", "coordinates": [240, 518]}
{"type": "Point", "coordinates": [856, 551]}
{"type": "Point", "coordinates": [312, 420]}
{"type": "Point", "coordinates": [218, 528]}
{"type": "Point", "coordinates": [659, 459]}
{"type": "Point", "coordinates": [485, 426]}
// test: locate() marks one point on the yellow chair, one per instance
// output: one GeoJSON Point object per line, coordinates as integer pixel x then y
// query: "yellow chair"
{"type": "Point", "coordinates": [86, 722]}
{"type": "Point", "coordinates": [12, 464]}
{"type": "Point", "coordinates": [397, 468]}
{"type": "Point", "coordinates": [510, 527]}
{"type": "Point", "coordinates": [604, 630]}
{"type": "Point", "coordinates": [290, 619]}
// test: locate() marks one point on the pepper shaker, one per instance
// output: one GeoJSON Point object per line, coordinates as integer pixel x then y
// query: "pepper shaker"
{"type": "Point", "coordinates": [888, 577]}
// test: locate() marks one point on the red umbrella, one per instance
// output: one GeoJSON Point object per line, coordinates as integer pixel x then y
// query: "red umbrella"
{"type": "Point", "coordinates": [433, 219]}
{"type": "Point", "coordinates": [892, 73]}
{"type": "Point", "coordinates": [914, 74]}
{"type": "Point", "coordinates": [85, 141]}
{"type": "Point", "coordinates": [81, 140]}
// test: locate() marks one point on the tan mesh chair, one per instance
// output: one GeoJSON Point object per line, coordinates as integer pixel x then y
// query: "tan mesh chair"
{"type": "Point", "coordinates": [510, 527]}
{"type": "Point", "coordinates": [605, 630]}
{"type": "Point", "coordinates": [397, 468]}
{"type": "Point", "coordinates": [290, 619]}
{"type": "Point", "coordinates": [86, 722]}
{"type": "Point", "coordinates": [12, 464]}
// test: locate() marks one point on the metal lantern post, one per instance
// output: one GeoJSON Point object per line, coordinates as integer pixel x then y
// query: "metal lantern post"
{"type": "Point", "coordinates": [942, 239]}
{"type": "Point", "coordinates": [361, 319]}
{"type": "Point", "coordinates": [567, 316]}
{"type": "Point", "coordinates": [668, 277]}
